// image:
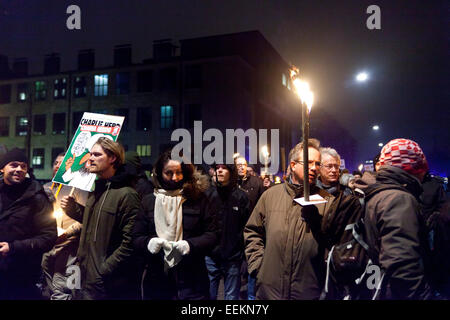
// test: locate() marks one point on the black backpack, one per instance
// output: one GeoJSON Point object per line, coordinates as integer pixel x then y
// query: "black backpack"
{"type": "Point", "coordinates": [349, 267]}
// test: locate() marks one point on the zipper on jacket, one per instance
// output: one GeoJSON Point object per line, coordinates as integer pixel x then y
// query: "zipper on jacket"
{"type": "Point", "coordinates": [99, 210]}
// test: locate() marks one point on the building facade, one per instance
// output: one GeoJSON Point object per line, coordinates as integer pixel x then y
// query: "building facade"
{"type": "Point", "coordinates": [227, 82]}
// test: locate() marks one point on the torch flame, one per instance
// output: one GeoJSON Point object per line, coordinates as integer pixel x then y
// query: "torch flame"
{"type": "Point", "coordinates": [57, 214]}
{"type": "Point", "coordinates": [302, 89]}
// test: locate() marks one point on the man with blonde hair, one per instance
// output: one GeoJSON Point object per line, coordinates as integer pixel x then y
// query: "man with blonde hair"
{"type": "Point", "coordinates": [105, 255]}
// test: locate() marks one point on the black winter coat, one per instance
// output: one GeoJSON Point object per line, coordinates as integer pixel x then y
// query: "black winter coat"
{"type": "Point", "coordinates": [29, 228]}
{"type": "Point", "coordinates": [396, 233]}
{"type": "Point", "coordinates": [253, 187]}
{"type": "Point", "coordinates": [188, 280]}
{"type": "Point", "coordinates": [232, 207]}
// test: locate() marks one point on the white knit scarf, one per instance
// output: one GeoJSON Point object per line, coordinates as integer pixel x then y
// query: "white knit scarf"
{"type": "Point", "coordinates": [169, 222]}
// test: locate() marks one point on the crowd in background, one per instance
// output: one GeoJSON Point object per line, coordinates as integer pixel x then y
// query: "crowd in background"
{"type": "Point", "coordinates": [186, 233]}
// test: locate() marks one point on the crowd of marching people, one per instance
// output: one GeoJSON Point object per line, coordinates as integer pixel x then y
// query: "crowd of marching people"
{"type": "Point", "coordinates": [186, 234]}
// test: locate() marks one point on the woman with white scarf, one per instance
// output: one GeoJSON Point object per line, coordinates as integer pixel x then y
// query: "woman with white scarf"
{"type": "Point", "coordinates": [175, 232]}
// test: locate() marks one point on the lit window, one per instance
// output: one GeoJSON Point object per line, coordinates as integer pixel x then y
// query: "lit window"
{"type": "Point", "coordinates": [80, 87]}
{"type": "Point", "coordinates": [41, 90]}
{"type": "Point", "coordinates": [166, 117]}
{"type": "Point", "coordinates": [38, 159]}
{"type": "Point", "coordinates": [21, 126]}
{"type": "Point", "coordinates": [100, 85]}
{"type": "Point", "coordinates": [60, 88]}
{"type": "Point", "coordinates": [144, 150]}
{"type": "Point", "coordinates": [22, 91]}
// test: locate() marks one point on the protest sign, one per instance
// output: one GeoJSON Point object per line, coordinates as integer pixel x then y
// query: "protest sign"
{"type": "Point", "coordinates": [74, 170]}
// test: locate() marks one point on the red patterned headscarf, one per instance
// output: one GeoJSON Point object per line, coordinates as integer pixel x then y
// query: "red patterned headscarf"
{"type": "Point", "coordinates": [404, 154]}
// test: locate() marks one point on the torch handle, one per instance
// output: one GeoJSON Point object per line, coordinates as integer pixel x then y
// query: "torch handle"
{"type": "Point", "coordinates": [305, 128]}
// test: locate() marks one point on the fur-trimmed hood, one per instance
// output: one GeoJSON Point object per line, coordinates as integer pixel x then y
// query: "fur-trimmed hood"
{"type": "Point", "coordinates": [193, 188]}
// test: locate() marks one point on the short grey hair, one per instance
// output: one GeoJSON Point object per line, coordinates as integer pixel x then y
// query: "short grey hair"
{"type": "Point", "coordinates": [294, 154]}
{"type": "Point", "coordinates": [331, 152]}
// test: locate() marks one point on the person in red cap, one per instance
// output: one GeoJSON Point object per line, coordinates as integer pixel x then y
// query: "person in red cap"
{"type": "Point", "coordinates": [394, 228]}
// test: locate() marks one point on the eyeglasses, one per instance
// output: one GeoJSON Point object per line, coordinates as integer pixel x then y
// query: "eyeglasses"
{"type": "Point", "coordinates": [311, 163]}
{"type": "Point", "coordinates": [330, 166]}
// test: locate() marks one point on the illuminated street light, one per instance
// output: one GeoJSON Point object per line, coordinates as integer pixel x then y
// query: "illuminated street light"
{"type": "Point", "coordinates": [376, 127]}
{"type": "Point", "coordinates": [362, 77]}
{"type": "Point", "coordinates": [380, 144]}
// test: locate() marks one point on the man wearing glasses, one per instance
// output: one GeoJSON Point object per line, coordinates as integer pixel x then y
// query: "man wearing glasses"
{"type": "Point", "coordinates": [329, 171]}
{"type": "Point", "coordinates": [281, 247]}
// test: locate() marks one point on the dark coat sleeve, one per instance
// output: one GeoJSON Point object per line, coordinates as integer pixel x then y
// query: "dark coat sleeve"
{"type": "Point", "coordinates": [44, 229]}
{"type": "Point", "coordinates": [205, 243]}
{"type": "Point", "coordinates": [141, 231]}
{"type": "Point", "coordinates": [255, 237]}
{"type": "Point", "coordinates": [400, 246]}
{"type": "Point", "coordinates": [130, 206]}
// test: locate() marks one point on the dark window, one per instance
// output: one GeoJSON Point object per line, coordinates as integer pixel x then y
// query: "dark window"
{"type": "Point", "coordinates": [39, 124]}
{"type": "Point", "coordinates": [145, 81]}
{"type": "Point", "coordinates": [22, 92]}
{"type": "Point", "coordinates": [143, 119]}
{"type": "Point", "coordinates": [123, 112]}
{"type": "Point", "coordinates": [56, 151]}
{"type": "Point", "coordinates": [193, 112]}
{"type": "Point", "coordinates": [21, 126]}
{"type": "Point", "coordinates": [5, 93]}
{"type": "Point", "coordinates": [59, 123]}
{"type": "Point", "coordinates": [193, 76]}
{"type": "Point", "coordinates": [60, 88]}
{"type": "Point", "coordinates": [166, 117]}
{"type": "Point", "coordinates": [123, 83]}
{"type": "Point", "coordinates": [165, 146]}
{"type": "Point", "coordinates": [100, 85]}
{"type": "Point", "coordinates": [76, 118]}
{"type": "Point", "coordinates": [80, 87]}
{"type": "Point", "coordinates": [4, 126]}
{"type": "Point", "coordinates": [40, 90]}
{"type": "Point", "coordinates": [38, 160]}
{"type": "Point", "coordinates": [168, 79]}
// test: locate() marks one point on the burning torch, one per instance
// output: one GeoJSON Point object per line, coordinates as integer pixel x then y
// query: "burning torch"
{"type": "Point", "coordinates": [306, 98]}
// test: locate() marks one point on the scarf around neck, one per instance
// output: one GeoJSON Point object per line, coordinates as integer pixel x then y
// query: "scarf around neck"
{"type": "Point", "coordinates": [169, 222]}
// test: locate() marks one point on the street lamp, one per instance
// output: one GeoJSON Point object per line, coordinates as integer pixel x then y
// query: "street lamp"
{"type": "Point", "coordinates": [380, 144]}
{"type": "Point", "coordinates": [362, 77]}
{"type": "Point", "coordinates": [307, 99]}
{"type": "Point", "coordinates": [376, 127]}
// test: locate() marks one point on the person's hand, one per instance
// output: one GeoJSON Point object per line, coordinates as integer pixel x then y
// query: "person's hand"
{"type": "Point", "coordinates": [68, 203]}
{"type": "Point", "coordinates": [155, 245]}
{"type": "Point", "coordinates": [182, 246]}
{"type": "Point", "coordinates": [61, 238]}
{"type": "Point", "coordinates": [70, 162]}
{"type": "Point", "coordinates": [4, 248]}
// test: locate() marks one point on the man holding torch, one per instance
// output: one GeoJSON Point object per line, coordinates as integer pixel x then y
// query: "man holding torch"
{"type": "Point", "coordinates": [283, 250]}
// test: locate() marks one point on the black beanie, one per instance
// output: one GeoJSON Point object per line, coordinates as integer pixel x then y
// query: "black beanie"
{"type": "Point", "coordinates": [13, 155]}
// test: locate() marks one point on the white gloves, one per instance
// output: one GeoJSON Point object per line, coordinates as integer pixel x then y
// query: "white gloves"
{"type": "Point", "coordinates": [155, 244]}
{"type": "Point", "coordinates": [182, 246]}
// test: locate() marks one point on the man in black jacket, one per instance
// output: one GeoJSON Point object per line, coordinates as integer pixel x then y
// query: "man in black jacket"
{"type": "Point", "coordinates": [27, 228]}
{"type": "Point", "coordinates": [232, 208]}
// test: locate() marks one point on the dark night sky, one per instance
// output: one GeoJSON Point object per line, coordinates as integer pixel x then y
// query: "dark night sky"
{"type": "Point", "coordinates": [407, 59]}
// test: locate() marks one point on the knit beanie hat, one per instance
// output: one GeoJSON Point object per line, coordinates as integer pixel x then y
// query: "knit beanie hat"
{"type": "Point", "coordinates": [404, 154]}
{"type": "Point", "coordinates": [13, 155]}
